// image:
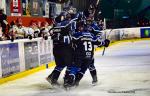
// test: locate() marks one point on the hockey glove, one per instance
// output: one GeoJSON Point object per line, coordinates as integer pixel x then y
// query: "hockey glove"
{"type": "Point", "coordinates": [45, 37]}
{"type": "Point", "coordinates": [106, 42]}
{"type": "Point", "coordinates": [12, 39]}
{"type": "Point", "coordinates": [30, 37]}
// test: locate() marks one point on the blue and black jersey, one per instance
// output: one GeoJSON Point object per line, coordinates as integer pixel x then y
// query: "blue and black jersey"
{"type": "Point", "coordinates": [94, 29]}
{"type": "Point", "coordinates": [84, 44]}
{"type": "Point", "coordinates": [62, 33]}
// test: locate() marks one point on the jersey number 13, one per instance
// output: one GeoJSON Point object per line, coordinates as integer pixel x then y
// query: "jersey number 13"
{"type": "Point", "coordinates": [87, 46]}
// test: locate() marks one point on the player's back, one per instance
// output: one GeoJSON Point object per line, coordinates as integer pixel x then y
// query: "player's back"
{"type": "Point", "coordinates": [83, 42]}
{"type": "Point", "coordinates": [61, 34]}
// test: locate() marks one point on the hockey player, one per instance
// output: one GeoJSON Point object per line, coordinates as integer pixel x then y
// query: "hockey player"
{"type": "Point", "coordinates": [93, 28]}
{"type": "Point", "coordinates": [62, 48]}
{"type": "Point", "coordinates": [84, 42]}
{"type": "Point", "coordinates": [94, 31]}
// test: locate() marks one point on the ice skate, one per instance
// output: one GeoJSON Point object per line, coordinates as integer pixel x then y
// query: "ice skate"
{"type": "Point", "coordinates": [95, 81]}
{"type": "Point", "coordinates": [69, 83]}
{"type": "Point", "coordinates": [54, 83]}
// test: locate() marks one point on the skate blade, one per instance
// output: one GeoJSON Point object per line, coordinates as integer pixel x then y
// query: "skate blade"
{"type": "Point", "coordinates": [95, 83]}
{"type": "Point", "coordinates": [49, 81]}
{"type": "Point", "coordinates": [68, 88]}
{"type": "Point", "coordinates": [53, 85]}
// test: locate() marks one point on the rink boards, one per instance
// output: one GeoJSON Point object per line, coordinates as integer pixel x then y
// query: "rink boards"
{"type": "Point", "coordinates": [29, 56]}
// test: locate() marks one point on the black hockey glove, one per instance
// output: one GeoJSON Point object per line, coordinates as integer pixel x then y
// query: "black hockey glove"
{"type": "Point", "coordinates": [45, 37]}
{"type": "Point", "coordinates": [12, 39]}
{"type": "Point", "coordinates": [106, 42]}
{"type": "Point", "coordinates": [30, 37]}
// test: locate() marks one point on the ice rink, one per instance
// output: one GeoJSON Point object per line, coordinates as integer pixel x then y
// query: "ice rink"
{"type": "Point", "coordinates": [124, 70]}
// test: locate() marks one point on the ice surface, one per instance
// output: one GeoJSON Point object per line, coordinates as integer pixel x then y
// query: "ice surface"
{"type": "Point", "coordinates": [124, 70]}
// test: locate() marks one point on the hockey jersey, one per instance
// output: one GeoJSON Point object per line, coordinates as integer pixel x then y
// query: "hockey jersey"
{"type": "Point", "coordinates": [62, 33]}
{"type": "Point", "coordinates": [84, 44]}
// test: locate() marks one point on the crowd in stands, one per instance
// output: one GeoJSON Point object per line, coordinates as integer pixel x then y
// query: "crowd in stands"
{"type": "Point", "coordinates": [16, 30]}
{"type": "Point", "coordinates": [143, 23]}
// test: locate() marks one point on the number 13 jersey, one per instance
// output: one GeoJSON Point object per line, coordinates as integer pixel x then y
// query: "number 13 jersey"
{"type": "Point", "coordinates": [84, 44]}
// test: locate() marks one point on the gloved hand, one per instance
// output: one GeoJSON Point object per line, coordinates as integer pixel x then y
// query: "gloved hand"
{"type": "Point", "coordinates": [30, 37]}
{"type": "Point", "coordinates": [12, 39]}
{"type": "Point", "coordinates": [106, 42]}
{"type": "Point", "coordinates": [45, 37]}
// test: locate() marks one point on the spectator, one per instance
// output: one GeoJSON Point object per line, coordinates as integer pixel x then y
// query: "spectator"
{"type": "Point", "coordinates": [31, 30]}
{"type": "Point", "coordinates": [3, 22]}
{"type": "Point", "coordinates": [36, 28]}
{"type": "Point", "coordinates": [13, 31]}
{"type": "Point", "coordinates": [20, 29]}
{"type": "Point", "coordinates": [39, 24]}
{"type": "Point", "coordinates": [1, 33]}
{"type": "Point", "coordinates": [44, 32]}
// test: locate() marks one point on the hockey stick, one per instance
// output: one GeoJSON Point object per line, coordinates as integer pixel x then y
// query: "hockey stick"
{"type": "Point", "coordinates": [106, 37]}
{"type": "Point", "coordinates": [122, 35]}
